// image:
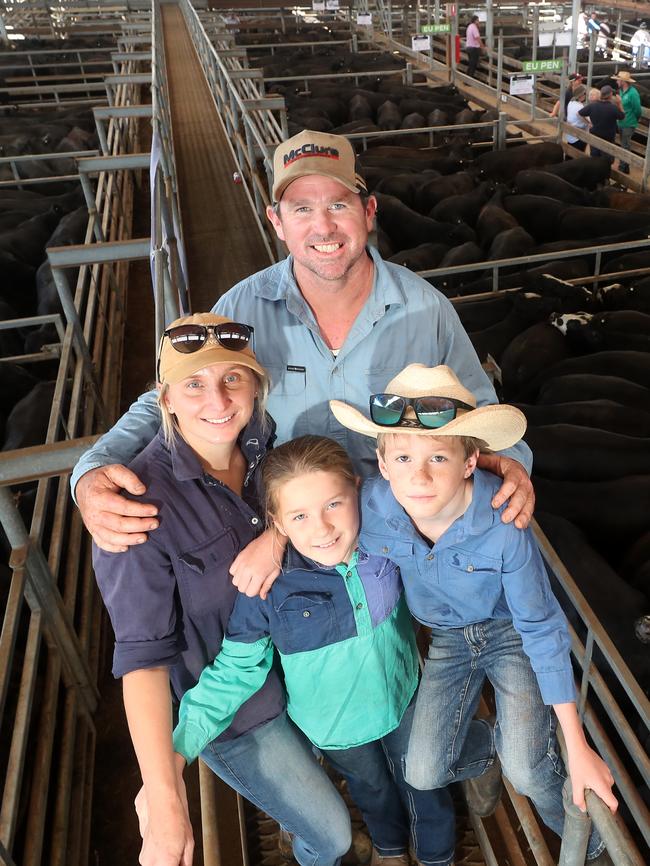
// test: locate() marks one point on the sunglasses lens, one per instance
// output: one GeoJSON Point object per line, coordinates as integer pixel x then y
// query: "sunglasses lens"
{"type": "Point", "coordinates": [187, 338]}
{"type": "Point", "coordinates": [434, 412]}
{"type": "Point", "coordinates": [386, 409]}
{"type": "Point", "coordinates": [233, 336]}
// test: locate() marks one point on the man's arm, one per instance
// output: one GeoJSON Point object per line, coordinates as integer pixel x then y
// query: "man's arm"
{"type": "Point", "coordinates": [114, 521]}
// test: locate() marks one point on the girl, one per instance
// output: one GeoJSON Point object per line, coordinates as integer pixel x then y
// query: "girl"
{"type": "Point", "coordinates": [344, 636]}
{"type": "Point", "coordinates": [170, 599]}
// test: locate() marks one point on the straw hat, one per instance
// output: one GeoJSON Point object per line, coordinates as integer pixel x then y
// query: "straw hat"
{"type": "Point", "coordinates": [624, 75]}
{"type": "Point", "coordinates": [499, 426]}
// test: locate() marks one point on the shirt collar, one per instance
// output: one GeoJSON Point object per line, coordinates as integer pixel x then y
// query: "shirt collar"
{"type": "Point", "coordinates": [294, 561]}
{"type": "Point", "coordinates": [254, 441]}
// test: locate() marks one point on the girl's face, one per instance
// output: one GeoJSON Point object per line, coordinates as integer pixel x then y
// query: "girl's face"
{"type": "Point", "coordinates": [319, 514]}
{"type": "Point", "coordinates": [213, 405]}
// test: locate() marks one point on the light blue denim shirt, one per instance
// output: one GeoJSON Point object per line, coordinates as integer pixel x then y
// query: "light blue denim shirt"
{"type": "Point", "coordinates": [405, 320]}
{"type": "Point", "coordinates": [479, 569]}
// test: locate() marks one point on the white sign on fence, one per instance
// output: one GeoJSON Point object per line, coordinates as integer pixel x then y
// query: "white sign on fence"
{"type": "Point", "coordinates": [318, 5]}
{"type": "Point", "coordinates": [521, 84]}
{"type": "Point", "coordinates": [420, 42]}
{"type": "Point", "coordinates": [331, 4]}
{"type": "Point", "coordinates": [562, 39]}
{"type": "Point", "coordinates": [364, 19]}
{"type": "Point", "coordinates": [482, 14]}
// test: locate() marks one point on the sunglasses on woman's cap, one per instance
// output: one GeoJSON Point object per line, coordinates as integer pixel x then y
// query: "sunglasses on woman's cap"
{"type": "Point", "coordinates": [388, 410]}
{"type": "Point", "coordinates": [191, 338]}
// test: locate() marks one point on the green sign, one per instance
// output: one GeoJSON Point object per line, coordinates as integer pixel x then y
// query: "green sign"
{"type": "Point", "coordinates": [436, 28]}
{"type": "Point", "coordinates": [555, 65]}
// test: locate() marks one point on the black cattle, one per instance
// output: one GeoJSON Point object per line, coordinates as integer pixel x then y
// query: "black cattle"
{"type": "Point", "coordinates": [437, 189]}
{"type": "Point", "coordinates": [28, 420]}
{"type": "Point", "coordinates": [627, 201]}
{"type": "Point", "coordinates": [538, 214]}
{"type": "Point", "coordinates": [587, 222]}
{"type": "Point", "coordinates": [628, 262]}
{"type": "Point", "coordinates": [635, 565]}
{"type": "Point", "coordinates": [464, 254]}
{"type": "Point", "coordinates": [620, 329]}
{"type": "Point", "coordinates": [504, 165]}
{"type": "Point", "coordinates": [483, 312]}
{"type": "Point", "coordinates": [421, 258]}
{"type": "Point", "coordinates": [588, 172]}
{"type": "Point", "coordinates": [464, 207]}
{"type": "Point", "coordinates": [600, 585]}
{"type": "Point", "coordinates": [568, 269]}
{"type": "Point", "coordinates": [360, 108]}
{"type": "Point", "coordinates": [632, 297]}
{"type": "Point", "coordinates": [530, 352]}
{"type": "Point", "coordinates": [633, 366]}
{"type": "Point", "coordinates": [405, 186]}
{"type": "Point", "coordinates": [11, 342]}
{"type": "Point", "coordinates": [493, 219]}
{"type": "Point", "coordinates": [413, 121]}
{"type": "Point", "coordinates": [495, 339]}
{"type": "Point", "coordinates": [27, 242]}
{"type": "Point", "coordinates": [389, 116]}
{"type": "Point", "coordinates": [405, 227]}
{"type": "Point", "coordinates": [567, 387]}
{"type": "Point", "coordinates": [510, 244]}
{"type": "Point", "coordinates": [602, 414]}
{"type": "Point", "coordinates": [544, 183]}
{"type": "Point", "coordinates": [17, 287]}
{"type": "Point", "coordinates": [571, 453]}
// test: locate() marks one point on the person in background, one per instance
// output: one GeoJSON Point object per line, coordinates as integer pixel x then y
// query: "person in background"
{"type": "Point", "coordinates": [473, 45]}
{"type": "Point", "coordinates": [640, 45]}
{"type": "Point", "coordinates": [575, 79]}
{"type": "Point", "coordinates": [593, 25]}
{"type": "Point", "coordinates": [631, 105]}
{"type": "Point", "coordinates": [574, 118]}
{"type": "Point", "coordinates": [604, 116]}
{"type": "Point", "coordinates": [602, 40]}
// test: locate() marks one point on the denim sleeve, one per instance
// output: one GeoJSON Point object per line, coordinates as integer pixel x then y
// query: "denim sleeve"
{"type": "Point", "coordinates": [138, 589]}
{"type": "Point", "coordinates": [208, 709]}
{"type": "Point", "coordinates": [128, 436]}
{"type": "Point", "coordinates": [457, 352]}
{"type": "Point", "coordinates": [537, 616]}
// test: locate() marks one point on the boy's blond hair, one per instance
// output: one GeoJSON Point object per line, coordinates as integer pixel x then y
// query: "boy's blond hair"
{"type": "Point", "coordinates": [469, 444]}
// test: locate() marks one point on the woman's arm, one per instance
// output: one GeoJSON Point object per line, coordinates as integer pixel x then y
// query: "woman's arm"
{"type": "Point", "coordinates": [586, 768]}
{"type": "Point", "coordinates": [167, 839]}
{"type": "Point", "coordinates": [256, 567]}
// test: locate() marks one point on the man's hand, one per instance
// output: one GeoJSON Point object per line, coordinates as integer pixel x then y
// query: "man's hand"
{"type": "Point", "coordinates": [167, 838]}
{"type": "Point", "coordinates": [517, 487]}
{"type": "Point", "coordinates": [256, 567]}
{"type": "Point", "coordinates": [114, 522]}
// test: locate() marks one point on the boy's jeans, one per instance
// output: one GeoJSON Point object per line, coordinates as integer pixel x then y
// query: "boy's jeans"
{"type": "Point", "coordinates": [447, 745]}
{"type": "Point", "coordinates": [274, 767]}
{"type": "Point", "coordinates": [395, 813]}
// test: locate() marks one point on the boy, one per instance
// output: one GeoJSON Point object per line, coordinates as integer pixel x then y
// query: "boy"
{"type": "Point", "coordinates": [482, 588]}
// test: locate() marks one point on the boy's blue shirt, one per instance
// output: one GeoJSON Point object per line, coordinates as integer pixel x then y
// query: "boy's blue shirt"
{"type": "Point", "coordinates": [479, 569]}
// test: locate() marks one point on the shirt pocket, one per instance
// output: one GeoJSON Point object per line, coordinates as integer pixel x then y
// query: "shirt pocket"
{"type": "Point", "coordinates": [473, 578]}
{"type": "Point", "coordinates": [288, 401]}
{"type": "Point", "coordinates": [203, 574]}
{"type": "Point", "coordinates": [308, 621]}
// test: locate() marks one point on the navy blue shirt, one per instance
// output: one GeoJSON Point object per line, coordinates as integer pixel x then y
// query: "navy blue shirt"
{"type": "Point", "coordinates": [170, 599]}
{"type": "Point", "coordinates": [604, 116]}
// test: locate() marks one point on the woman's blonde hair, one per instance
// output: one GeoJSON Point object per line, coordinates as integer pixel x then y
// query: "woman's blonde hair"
{"type": "Point", "coordinates": [298, 457]}
{"type": "Point", "coordinates": [170, 425]}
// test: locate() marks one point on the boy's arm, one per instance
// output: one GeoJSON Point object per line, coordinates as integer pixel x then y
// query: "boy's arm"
{"type": "Point", "coordinates": [114, 521]}
{"type": "Point", "coordinates": [207, 710]}
{"type": "Point", "coordinates": [586, 768]}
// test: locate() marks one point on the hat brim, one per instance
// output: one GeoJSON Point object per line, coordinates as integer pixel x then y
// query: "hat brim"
{"type": "Point", "coordinates": [205, 357]}
{"type": "Point", "coordinates": [279, 191]}
{"type": "Point", "coordinates": [499, 426]}
{"type": "Point", "coordinates": [630, 80]}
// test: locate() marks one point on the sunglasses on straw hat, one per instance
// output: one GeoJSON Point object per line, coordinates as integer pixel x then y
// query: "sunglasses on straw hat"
{"type": "Point", "coordinates": [431, 412]}
{"type": "Point", "coordinates": [190, 338]}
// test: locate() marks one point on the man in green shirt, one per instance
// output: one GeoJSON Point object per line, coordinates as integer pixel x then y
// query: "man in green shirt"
{"type": "Point", "coordinates": [631, 105]}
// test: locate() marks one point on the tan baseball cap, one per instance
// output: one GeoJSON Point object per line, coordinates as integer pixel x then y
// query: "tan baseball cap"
{"type": "Point", "coordinates": [173, 366]}
{"type": "Point", "coordinates": [315, 153]}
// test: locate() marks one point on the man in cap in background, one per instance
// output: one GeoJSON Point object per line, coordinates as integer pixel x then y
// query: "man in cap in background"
{"type": "Point", "coordinates": [604, 116]}
{"type": "Point", "coordinates": [631, 105]}
{"type": "Point", "coordinates": [575, 80]}
{"type": "Point", "coordinates": [332, 321]}
{"type": "Point", "coordinates": [640, 44]}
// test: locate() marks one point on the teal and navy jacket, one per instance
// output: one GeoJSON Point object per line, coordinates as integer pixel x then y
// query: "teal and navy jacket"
{"type": "Point", "coordinates": [345, 639]}
{"type": "Point", "coordinates": [631, 102]}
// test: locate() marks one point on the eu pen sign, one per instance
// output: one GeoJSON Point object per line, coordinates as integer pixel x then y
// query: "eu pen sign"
{"type": "Point", "coordinates": [436, 28]}
{"type": "Point", "coordinates": [554, 65]}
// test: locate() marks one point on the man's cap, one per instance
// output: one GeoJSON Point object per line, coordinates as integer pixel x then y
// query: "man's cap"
{"type": "Point", "coordinates": [575, 76]}
{"type": "Point", "coordinates": [624, 75]}
{"type": "Point", "coordinates": [315, 153]}
{"type": "Point", "coordinates": [173, 366]}
{"type": "Point", "coordinates": [499, 426]}
{"type": "Point", "coordinates": [606, 90]}
{"type": "Point", "coordinates": [643, 25]}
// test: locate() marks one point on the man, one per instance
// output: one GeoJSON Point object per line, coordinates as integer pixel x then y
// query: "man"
{"type": "Point", "coordinates": [604, 115]}
{"type": "Point", "coordinates": [631, 105]}
{"type": "Point", "coordinates": [333, 320]}
{"type": "Point", "coordinates": [575, 80]}
{"type": "Point", "coordinates": [640, 44]}
{"type": "Point", "coordinates": [473, 45]}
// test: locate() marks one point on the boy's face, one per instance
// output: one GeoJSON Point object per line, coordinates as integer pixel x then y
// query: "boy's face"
{"type": "Point", "coordinates": [427, 474]}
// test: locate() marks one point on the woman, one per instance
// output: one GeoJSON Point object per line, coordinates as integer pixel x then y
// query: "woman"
{"type": "Point", "coordinates": [170, 599]}
{"type": "Point", "coordinates": [575, 104]}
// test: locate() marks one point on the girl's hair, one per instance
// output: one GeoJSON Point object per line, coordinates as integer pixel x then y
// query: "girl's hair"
{"type": "Point", "coordinates": [469, 444]}
{"type": "Point", "coordinates": [298, 457]}
{"type": "Point", "coordinates": [170, 425]}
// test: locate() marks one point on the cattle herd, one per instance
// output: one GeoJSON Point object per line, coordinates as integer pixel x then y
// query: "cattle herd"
{"type": "Point", "coordinates": [575, 357]}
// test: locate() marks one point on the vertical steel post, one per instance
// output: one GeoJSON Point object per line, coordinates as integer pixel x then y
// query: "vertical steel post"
{"type": "Point", "coordinates": [501, 131]}
{"type": "Point", "coordinates": [616, 51]}
{"type": "Point", "coordinates": [573, 50]}
{"type": "Point", "coordinates": [590, 67]}
{"type": "Point", "coordinates": [489, 25]}
{"type": "Point", "coordinates": [646, 165]}
{"type": "Point", "coordinates": [499, 70]}
{"type": "Point", "coordinates": [454, 34]}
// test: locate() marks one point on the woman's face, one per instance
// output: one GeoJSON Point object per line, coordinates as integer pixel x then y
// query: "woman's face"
{"type": "Point", "coordinates": [213, 405]}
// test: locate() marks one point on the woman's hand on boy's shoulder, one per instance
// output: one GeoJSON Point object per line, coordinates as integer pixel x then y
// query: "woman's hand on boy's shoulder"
{"type": "Point", "coordinates": [517, 488]}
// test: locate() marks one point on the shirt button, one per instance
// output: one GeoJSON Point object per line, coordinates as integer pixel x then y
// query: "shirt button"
{"type": "Point", "coordinates": [470, 567]}
{"type": "Point", "coordinates": [384, 550]}
{"type": "Point", "coordinates": [306, 613]}
{"type": "Point", "coordinates": [348, 574]}
{"type": "Point", "coordinates": [430, 556]}
{"type": "Point", "coordinates": [255, 520]}
{"type": "Point", "coordinates": [359, 606]}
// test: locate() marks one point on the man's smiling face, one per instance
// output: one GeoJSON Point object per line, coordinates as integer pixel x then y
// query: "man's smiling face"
{"type": "Point", "coordinates": [324, 225]}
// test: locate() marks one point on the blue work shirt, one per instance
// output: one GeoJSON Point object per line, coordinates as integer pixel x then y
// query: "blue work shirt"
{"type": "Point", "coordinates": [345, 640]}
{"type": "Point", "coordinates": [480, 568]}
{"type": "Point", "coordinates": [170, 599]}
{"type": "Point", "coordinates": [404, 321]}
